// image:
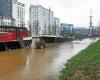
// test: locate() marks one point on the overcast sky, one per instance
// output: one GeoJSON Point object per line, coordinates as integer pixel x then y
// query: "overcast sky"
{"type": "Point", "coordinates": [70, 11]}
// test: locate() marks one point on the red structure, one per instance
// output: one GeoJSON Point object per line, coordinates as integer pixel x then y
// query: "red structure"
{"type": "Point", "coordinates": [12, 37]}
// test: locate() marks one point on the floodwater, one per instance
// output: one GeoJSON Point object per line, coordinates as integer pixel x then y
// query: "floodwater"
{"type": "Point", "coordinates": [38, 64]}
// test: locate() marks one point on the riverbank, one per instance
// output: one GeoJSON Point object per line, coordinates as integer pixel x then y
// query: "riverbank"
{"type": "Point", "coordinates": [84, 66]}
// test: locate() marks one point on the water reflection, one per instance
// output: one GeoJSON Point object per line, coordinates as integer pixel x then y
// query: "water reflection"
{"type": "Point", "coordinates": [11, 59]}
{"type": "Point", "coordinates": [38, 64]}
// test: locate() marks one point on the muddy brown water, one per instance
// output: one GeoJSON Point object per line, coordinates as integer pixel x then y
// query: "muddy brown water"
{"type": "Point", "coordinates": [38, 64]}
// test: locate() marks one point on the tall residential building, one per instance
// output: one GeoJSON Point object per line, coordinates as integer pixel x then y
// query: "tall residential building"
{"type": "Point", "coordinates": [41, 20]}
{"type": "Point", "coordinates": [56, 29]}
{"type": "Point", "coordinates": [20, 15]}
{"type": "Point", "coordinates": [9, 12]}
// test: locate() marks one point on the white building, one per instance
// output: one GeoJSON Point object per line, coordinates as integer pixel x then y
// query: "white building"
{"type": "Point", "coordinates": [20, 15]}
{"type": "Point", "coordinates": [41, 20]}
{"type": "Point", "coordinates": [56, 29]}
{"type": "Point", "coordinates": [12, 13]}
{"type": "Point", "coordinates": [5, 21]}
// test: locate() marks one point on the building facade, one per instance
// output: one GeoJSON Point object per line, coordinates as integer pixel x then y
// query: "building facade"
{"type": "Point", "coordinates": [41, 20]}
{"type": "Point", "coordinates": [9, 13]}
{"type": "Point", "coordinates": [66, 29]}
{"type": "Point", "coordinates": [6, 11]}
{"type": "Point", "coordinates": [20, 14]}
{"type": "Point", "coordinates": [56, 29]}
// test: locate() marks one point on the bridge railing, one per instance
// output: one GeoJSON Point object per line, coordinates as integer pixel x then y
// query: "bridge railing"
{"type": "Point", "coordinates": [37, 36]}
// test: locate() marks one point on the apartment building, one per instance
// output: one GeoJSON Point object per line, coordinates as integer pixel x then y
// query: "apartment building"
{"type": "Point", "coordinates": [20, 14]}
{"type": "Point", "coordinates": [12, 13]}
{"type": "Point", "coordinates": [56, 29]}
{"type": "Point", "coordinates": [41, 20]}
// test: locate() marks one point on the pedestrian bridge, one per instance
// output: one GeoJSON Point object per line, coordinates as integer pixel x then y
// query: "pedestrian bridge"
{"type": "Point", "coordinates": [40, 40]}
{"type": "Point", "coordinates": [53, 36]}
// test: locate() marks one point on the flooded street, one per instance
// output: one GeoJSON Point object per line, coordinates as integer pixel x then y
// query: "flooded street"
{"type": "Point", "coordinates": [38, 64]}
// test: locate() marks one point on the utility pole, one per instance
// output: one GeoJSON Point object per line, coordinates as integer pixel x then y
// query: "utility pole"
{"type": "Point", "coordinates": [91, 26]}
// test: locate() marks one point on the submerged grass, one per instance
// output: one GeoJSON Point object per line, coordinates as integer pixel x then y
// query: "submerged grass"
{"type": "Point", "coordinates": [84, 66]}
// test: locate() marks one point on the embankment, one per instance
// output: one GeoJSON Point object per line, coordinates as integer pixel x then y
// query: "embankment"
{"type": "Point", "coordinates": [84, 66]}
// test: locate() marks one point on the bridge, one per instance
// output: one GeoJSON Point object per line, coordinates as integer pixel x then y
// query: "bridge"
{"type": "Point", "coordinates": [46, 36]}
{"type": "Point", "coordinates": [51, 38]}
{"type": "Point", "coordinates": [40, 40]}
